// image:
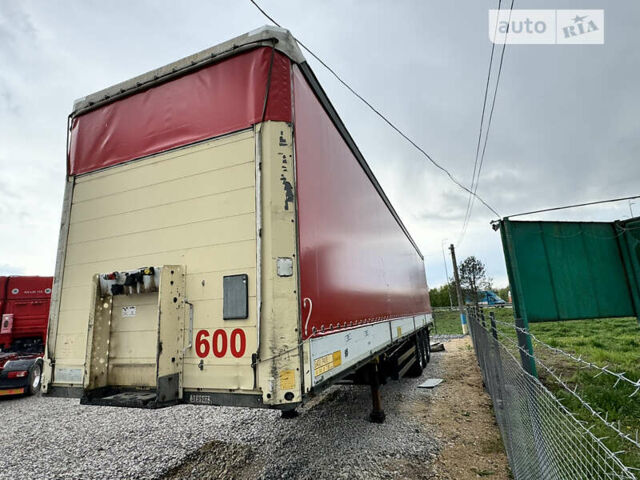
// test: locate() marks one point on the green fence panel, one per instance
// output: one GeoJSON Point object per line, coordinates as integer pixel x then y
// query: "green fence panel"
{"type": "Point", "coordinates": [629, 232]}
{"type": "Point", "coordinates": [572, 270]}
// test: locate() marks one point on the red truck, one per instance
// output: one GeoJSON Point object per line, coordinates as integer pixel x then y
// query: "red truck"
{"type": "Point", "coordinates": [24, 306]}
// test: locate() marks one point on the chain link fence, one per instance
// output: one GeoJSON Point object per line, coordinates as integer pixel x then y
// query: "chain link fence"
{"type": "Point", "coordinates": [542, 438]}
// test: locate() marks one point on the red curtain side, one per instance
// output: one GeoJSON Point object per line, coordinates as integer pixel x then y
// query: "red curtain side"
{"type": "Point", "coordinates": [357, 266]}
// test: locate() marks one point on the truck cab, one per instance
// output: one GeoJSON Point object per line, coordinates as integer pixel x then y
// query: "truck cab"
{"type": "Point", "coordinates": [24, 306]}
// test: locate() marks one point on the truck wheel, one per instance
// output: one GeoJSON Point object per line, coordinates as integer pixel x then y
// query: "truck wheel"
{"type": "Point", "coordinates": [418, 361]}
{"type": "Point", "coordinates": [35, 376]}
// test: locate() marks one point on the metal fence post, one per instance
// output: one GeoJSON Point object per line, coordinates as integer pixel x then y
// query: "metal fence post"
{"type": "Point", "coordinates": [471, 313]}
{"type": "Point", "coordinates": [498, 360]}
{"type": "Point", "coordinates": [524, 344]}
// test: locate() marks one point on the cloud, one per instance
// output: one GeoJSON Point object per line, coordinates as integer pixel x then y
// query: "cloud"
{"type": "Point", "coordinates": [564, 128]}
{"type": "Point", "coordinates": [6, 270]}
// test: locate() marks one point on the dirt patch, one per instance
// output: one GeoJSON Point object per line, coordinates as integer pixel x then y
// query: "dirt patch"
{"type": "Point", "coordinates": [445, 433]}
{"type": "Point", "coordinates": [460, 415]}
{"type": "Point", "coordinates": [217, 460]}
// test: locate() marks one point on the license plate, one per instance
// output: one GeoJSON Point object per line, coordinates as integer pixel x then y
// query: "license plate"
{"type": "Point", "coordinates": [12, 391]}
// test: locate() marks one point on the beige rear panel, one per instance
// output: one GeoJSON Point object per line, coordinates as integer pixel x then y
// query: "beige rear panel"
{"type": "Point", "coordinates": [193, 207]}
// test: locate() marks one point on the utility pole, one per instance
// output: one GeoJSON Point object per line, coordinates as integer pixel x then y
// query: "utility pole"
{"type": "Point", "coordinates": [446, 271]}
{"type": "Point", "coordinates": [463, 318]}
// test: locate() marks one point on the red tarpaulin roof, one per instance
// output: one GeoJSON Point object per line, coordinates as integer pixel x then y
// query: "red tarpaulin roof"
{"type": "Point", "coordinates": [221, 98]}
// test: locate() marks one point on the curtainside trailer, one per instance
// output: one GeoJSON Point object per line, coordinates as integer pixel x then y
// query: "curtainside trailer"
{"type": "Point", "coordinates": [223, 241]}
{"type": "Point", "coordinates": [24, 312]}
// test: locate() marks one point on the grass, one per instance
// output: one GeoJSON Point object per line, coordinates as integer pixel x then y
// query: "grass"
{"type": "Point", "coordinates": [611, 341]}
{"type": "Point", "coordinates": [447, 322]}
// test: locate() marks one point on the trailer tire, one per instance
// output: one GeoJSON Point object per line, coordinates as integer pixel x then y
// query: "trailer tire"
{"type": "Point", "coordinates": [35, 379]}
{"type": "Point", "coordinates": [423, 348]}
{"type": "Point", "coordinates": [418, 361]}
{"type": "Point", "coordinates": [427, 347]}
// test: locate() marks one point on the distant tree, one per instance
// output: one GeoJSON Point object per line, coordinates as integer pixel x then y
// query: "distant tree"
{"type": "Point", "coordinates": [473, 279]}
{"type": "Point", "coordinates": [440, 296]}
{"type": "Point", "coordinates": [503, 293]}
{"type": "Point", "coordinates": [436, 298]}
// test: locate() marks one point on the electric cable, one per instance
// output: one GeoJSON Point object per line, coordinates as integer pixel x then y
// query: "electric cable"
{"type": "Point", "coordinates": [385, 119]}
{"type": "Point", "coordinates": [611, 200]}
{"type": "Point", "coordinates": [484, 106]}
{"type": "Point", "coordinates": [486, 136]}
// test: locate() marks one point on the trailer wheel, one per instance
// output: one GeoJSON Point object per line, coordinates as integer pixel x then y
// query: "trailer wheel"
{"type": "Point", "coordinates": [423, 348]}
{"type": "Point", "coordinates": [35, 377]}
{"type": "Point", "coordinates": [427, 347]}
{"type": "Point", "coordinates": [418, 361]}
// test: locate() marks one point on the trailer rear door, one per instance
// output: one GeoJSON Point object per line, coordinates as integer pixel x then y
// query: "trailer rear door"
{"type": "Point", "coordinates": [193, 207]}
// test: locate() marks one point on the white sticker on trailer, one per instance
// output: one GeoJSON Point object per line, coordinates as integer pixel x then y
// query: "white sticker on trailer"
{"type": "Point", "coordinates": [129, 311]}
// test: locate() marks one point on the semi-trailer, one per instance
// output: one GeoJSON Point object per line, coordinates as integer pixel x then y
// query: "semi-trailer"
{"type": "Point", "coordinates": [223, 241]}
{"type": "Point", "coordinates": [24, 313]}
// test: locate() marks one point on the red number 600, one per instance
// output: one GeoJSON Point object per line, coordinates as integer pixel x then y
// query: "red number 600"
{"type": "Point", "coordinates": [220, 343]}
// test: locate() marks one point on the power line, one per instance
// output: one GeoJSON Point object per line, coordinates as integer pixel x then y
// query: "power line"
{"type": "Point", "coordinates": [486, 136]}
{"type": "Point", "coordinates": [493, 104]}
{"type": "Point", "coordinates": [484, 106]}
{"type": "Point", "coordinates": [611, 200]}
{"type": "Point", "coordinates": [386, 120]}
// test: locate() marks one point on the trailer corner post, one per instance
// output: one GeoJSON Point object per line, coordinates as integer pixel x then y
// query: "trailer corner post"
{"type": "Point", "coordinates": [279, 368]}
{"type": "Point", "coordinates": [56, 288]}
{"type": "Point", "coordinates": [463, 318]}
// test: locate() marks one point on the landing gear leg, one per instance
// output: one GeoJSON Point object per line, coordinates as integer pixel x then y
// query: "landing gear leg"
{"type": "Point", "coordinates": [377, 413]}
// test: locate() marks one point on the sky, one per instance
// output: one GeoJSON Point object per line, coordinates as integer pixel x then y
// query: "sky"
{"type": "Point", "coordinates": [565, 129]}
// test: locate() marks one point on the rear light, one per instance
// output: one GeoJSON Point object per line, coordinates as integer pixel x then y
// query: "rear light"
{"type": "Point", "coordinates": [18, 374]}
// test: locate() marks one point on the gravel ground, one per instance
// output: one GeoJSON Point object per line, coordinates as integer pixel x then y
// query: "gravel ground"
{"type": "Point", "coordinates": [54, 438]}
